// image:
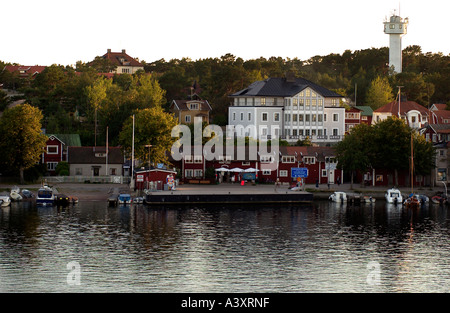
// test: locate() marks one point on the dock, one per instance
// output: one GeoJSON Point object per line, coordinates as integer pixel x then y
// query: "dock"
{"type": "Point", "coordinates": [227, 194]}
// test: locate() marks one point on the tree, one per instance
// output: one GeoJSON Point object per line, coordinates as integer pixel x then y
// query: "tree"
{"type": "Point", "coordinates": [22, 141]}
{"type": "Point", "coordinates": [96, 94]}
{"type": "Point", "coordinates": [392, 141]}
{"type": "Point", "coordinates": [379, 93]}
{"type": "Point", "coordinates": [354, 151]}
{"type": "Point", "coordinates": [153, 127]}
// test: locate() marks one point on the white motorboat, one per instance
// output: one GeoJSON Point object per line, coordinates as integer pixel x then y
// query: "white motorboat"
{"type": "Point", "coordinates": [5, 200]}
{"type": "Point", "coordinates": [369, 199]}
{"type": "Point", "coordinates": [15, 194]}
{"type": "Point", "coordinates": [393, 195]}
{"type": "Point", "coordinates": [338, 196]}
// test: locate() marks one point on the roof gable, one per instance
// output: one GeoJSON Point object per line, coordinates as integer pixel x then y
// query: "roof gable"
{"type": "Point", "coordinates": [94, 155]}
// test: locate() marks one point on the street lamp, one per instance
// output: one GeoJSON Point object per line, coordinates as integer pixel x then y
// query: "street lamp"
{"type": "Point", "coordinates": [148, 146]}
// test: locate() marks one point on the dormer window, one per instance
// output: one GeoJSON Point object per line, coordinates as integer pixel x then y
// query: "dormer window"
{"type": "Point", "coordinates": [193, 106]}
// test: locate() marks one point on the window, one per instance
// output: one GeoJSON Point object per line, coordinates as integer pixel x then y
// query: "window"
{"type": "Point", "coordinates": [283, 173]}
{"type": "Point", "coordinates": [52, 149]}
{"type": "Point", "coordinates": [188, 159]}
{"type": "Point", "coordinates": [126, 70]}
{"type": "Point", "coordinates": [266, 172]}
{"type": "Point", "coordinates": [188, 173]}
{"type": "Point", "coordinates": [51, 166]}
{"type": "Point", "coordinates": [266, 159]}
{"type": "Point", "coordinates": [194, 106]}
{"type": "Point", "coordinates": [276, 117]}
{"type": "Point", "coordinates": [324, 173]}
{"type": "Point", "coordinates": [244, 163]}
{"type": "Point", "coordinates": [249, 116]}
{"type": "Point", "coordinates": [187, 118]}
{"type": "Point", "coordinates": [263, 101]}
{"type": "Point", "coordinates": [242, 116]}
{"type": "Point", "coordinates": [234, 116]}
{"type": "Point", "coordinates": [112, 171]}
{"type": "Point", "coordinates": [335, 117]}
{"type": "Point", "coordinates": [78, 171]}
{"type": "Point", "coordinates": [309, 160]}
{"type": "Point", "coordinates": [198, 173]}
{"type": "Point", "coordinates": [335, 132]}
{"type": "Point", "coordinates": [264, 117]}
{"type": "Point", "coordinates": [198, 159]}
{"type": "Point", "coordinates": [288, 159]}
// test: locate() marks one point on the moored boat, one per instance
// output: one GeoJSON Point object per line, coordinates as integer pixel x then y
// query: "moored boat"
{"type": "Point", "coordinates": [338, 196]}
{"type": "Point", "coordinates": [15, 194]}
{"type": "Point", "coordinates": [124, 198]}
{"type": "Point", "coordinates": [62, 200]}
{"type": "Point", "coordinates": [368, 199]}
{"type": "Point", "coordinates": [393, 195]}
{"type": "Point", "coordinates": [412, 201]}
{"type": "Point", "coordinates": [5, 200]}
{"type": "Point", "coordinates": [45, 196]}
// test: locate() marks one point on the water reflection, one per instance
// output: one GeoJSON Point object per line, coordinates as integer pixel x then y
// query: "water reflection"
{"type": "Point", "coordinates": [322, 247]}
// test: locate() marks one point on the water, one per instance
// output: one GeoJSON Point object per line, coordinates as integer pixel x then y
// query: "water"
{"type": "Point", "coordinates": [322, 247]}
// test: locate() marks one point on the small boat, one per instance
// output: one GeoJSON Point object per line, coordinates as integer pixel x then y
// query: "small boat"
{"type": "Point", "coordinates": [423, 199]}
{"type": "Point", "coordinates": [338, 196]}
{"type": "Point", "coordinates": [73, 199]}
{"type": "Point", "coordinates": [6, 200]}
{"type": "Point", "coordinates": [113, 200]}
{"type": "Point", "coordinates": [393, 195]}
{"type": "Point", "coordinates": [45, 196]}
{"type": "Point", "coordinates": [138, 200]}
{"type": "Point", "coordinates": [62, 200]}
{"type": "Point", "coordinates": [412, 202]}
{"type": "Point", "coordinates": [15, 194]}
{"type": "Point", "coordinates": [124, 198]}
{"type": "Point", "coordinates": [369, 199]}
{"type": "Point", "coordinates": [439, 199]}
{"type": "Point", "coordinates": [27, 194]}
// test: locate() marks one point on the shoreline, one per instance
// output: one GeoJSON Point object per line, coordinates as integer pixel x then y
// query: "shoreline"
{"type": "Point", "coordinates": [101, 192]}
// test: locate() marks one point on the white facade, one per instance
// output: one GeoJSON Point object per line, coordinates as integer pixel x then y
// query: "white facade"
{"type": "Point", "coordinates": [396, 27]}
{"type": "Point", "coordinates": [305, 114]}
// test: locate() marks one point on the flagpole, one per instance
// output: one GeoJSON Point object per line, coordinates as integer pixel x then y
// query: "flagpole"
{"type": "Point", "coordinates": [107, 148]}
{"type": "Point", "coordinates": [132, 157]}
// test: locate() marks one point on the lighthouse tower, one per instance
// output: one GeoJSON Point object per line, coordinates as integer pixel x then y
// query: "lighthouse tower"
{"type": "Point", "coordinates": [396, 27]}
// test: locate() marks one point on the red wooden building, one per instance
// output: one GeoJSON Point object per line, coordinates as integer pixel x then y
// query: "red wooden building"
{"type": "Point", "coordinates": [153, 179]}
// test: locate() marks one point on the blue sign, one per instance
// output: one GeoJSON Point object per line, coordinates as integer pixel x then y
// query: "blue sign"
{"type": "Point", "coordinates": [299, 172]}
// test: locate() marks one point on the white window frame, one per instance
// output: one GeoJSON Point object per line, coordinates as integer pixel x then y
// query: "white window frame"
{"type": "Point", "coordinates": [283, 173]}
{"type": "Point", "coordinates": [53, 146]}
{"type": "Point", "coordinates": [51, 166]}
{"type": "Point", "coordinates": [187, 119]}
{"type": "Point", "coordinates": [188, 173]}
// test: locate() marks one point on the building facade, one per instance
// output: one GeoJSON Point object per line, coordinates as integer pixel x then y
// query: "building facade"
{"type": "Point", "coordinates": [124, 63]}
{"type": "Point", "coordinates": [288, 108]}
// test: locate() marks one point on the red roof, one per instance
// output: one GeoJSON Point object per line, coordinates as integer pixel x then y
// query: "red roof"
{"type": "Point", "coordinates": [405, 106]}
{"type": "Point", "coordinates": [25, 70]}
{"type": "Point", "coordinates": [121, 58]}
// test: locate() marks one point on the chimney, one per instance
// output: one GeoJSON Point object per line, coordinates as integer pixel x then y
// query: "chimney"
{"type": "Point", "coordinates": [108, 51]}
{"type": "Point", "coordinates": [290, 77]}
{"type": "Point", "coordinates": [123, 50]}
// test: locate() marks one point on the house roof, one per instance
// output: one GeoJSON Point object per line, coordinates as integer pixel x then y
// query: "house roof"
{"type": "Point", "coordinates": [282, 87]}
{"type": "Point", "coordinates": [68, 139]}
{"type": "Point", "coordinates": [365, 110]}
{"type": "Point", "coordinates": [86, 155]}
{"type": "Point", "coordinates": [182, 104]}
{"type": "Point", "coordinates": [438, 106]}
{"type": "Point", "coordinates": [25, 70]}
{"type": "Point", "coordinates": [440, 115]}
{"type": "Point", "coordinates": [440, 128]}
{"type": "Point", "coordinates": [405, 106]}
{"type": "Point", "coordinates": [121, 58]}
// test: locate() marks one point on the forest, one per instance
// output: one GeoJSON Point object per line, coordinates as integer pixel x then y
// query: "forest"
{"type": "Point", "coordinates": [79, 100]}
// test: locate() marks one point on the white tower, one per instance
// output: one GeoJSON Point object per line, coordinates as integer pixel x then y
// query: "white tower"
{"type": "Point", "coordinates": [396, 27]}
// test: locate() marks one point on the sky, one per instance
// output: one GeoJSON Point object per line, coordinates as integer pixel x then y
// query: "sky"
{"type": "Point", "coordinates": [63, 32]}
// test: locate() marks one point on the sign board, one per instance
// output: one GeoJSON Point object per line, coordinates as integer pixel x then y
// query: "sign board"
{"type": "Point", "coordinates": [139, 178]}
{"type": "Point", "coordinates": [299, 172]}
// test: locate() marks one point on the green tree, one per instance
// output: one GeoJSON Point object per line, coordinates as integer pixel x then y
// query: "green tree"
{"type": "Point", "coordinates": [379, 93]}
{"type": "Point", "coordinates": [22, 141]}
{"type": "Point", "coordinates": [153, 127]}
{"type": "Point", "coordinates": [354, 152]}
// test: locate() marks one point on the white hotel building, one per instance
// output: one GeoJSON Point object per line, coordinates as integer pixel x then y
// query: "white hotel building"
{"type": "Point", "coordinates": [289, 108]}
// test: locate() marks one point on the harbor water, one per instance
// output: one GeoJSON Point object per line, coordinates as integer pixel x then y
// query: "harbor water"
{"type": "Point", "coordinates": [319, 247]}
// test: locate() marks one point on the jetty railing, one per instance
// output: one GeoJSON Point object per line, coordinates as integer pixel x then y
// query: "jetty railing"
{"type": "Point", "coordinates": [114, 179]}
